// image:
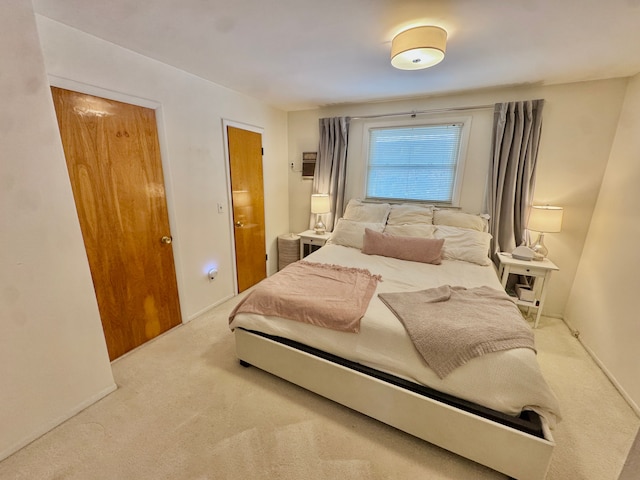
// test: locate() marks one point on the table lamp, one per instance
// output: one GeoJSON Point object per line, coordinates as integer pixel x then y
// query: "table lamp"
{"type": "Point", "coordinates": [320, 205]}
{"type": "Point", "coordinates": [544, 219]}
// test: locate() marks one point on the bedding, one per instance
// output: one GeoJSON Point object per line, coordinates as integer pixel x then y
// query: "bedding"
{"type": "Point", "coordinates": [422, 230]}
{"type": "Point", "coordinates": [464, 244]}
{"type": "Point", "coordinates": [508, 381]}
{"type": "Point", "coordinates": [359, 211]}
{"type": "Point", "coordinates": [351, 233]}
{"type": "Point", "coordinates": [410, 214]}
{"type": "Point", "coordinates": [450, 326]}
{"type": "Point", "coordinates": [341, 295]}
{"type": "Point", "coordinates": [415, 249]}
{"type": "Point", "coordinates": [455, 218]}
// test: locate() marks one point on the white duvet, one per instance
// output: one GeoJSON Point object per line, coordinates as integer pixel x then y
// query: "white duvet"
{"type": "Point", "coordinates": [508, 381]}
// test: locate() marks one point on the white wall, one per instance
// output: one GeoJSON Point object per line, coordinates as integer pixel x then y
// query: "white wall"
{"type": "Point", "coordinates": [53, 357]}
{"type": "Point", "coordinates": [602, 304]}
{"type": "Point", "coordinates": [52, 347]}
{"type": "Point", "coordinates": [190, 116]}
{"type": "Point", "coordinates": [51, 343]}
{"type": "Point", "coordinates": [579, 122]}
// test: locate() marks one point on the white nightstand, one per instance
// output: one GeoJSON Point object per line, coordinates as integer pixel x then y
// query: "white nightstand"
{"type": "Point", "coordinates": [311, 241]}
{"type": "Point", "coordinates": [538, 270]}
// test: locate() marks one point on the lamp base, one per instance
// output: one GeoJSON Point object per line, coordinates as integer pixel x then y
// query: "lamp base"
{"type": "Point", "coordinates": [319, 228]}
{"type": "Point", "coordinates": [540, 251]}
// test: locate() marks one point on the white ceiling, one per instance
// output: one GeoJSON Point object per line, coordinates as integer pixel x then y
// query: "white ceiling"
{"type": "Point", "coordinates": [297, 54]}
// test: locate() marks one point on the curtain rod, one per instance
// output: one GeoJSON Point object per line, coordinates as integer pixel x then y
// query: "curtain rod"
{"type": "Point", "coordinates": [423, 112]}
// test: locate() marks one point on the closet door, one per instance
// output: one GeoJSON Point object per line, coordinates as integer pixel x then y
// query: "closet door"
{"type": "Point", "coordinates": [247, 194]}
{"type": "Point", "coordinates": [113, 159]}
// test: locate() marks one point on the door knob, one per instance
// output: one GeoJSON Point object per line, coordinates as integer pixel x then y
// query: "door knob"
{"type": "Point", "coordinates": [166, 239]}
{"type": "Point", "coordinates": [239, 224]}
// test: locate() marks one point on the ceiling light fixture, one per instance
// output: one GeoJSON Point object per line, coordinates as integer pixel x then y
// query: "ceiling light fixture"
{"type": "Point", "coordinates": [418, 47]}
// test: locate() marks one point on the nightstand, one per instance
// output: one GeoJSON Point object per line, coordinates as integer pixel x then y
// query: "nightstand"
{"type": "Point", "coordinates": [311, 241]}
{"type": "Point", "coordinates": [539, 271]}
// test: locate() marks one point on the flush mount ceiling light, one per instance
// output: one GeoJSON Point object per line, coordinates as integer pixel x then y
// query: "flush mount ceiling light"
{"type": "Point", "coordinates": [418, 47]}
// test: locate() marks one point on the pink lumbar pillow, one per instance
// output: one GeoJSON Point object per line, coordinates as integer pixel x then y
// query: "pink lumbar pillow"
{"type": "Point", "coordinates": [415, 249]}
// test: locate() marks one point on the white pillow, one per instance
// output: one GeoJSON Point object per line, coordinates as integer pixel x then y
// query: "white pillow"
{"type": "Point", "coordinates": [416, 230]}
{"type": "Point", "coordinates": [465, 244]}
{"type": "Point", "coordinates": [454, 218]}
{"type": "Point", "coordinates": [406, 213]}
{"type": "Point", "coordinates": [358, 211]}
{"type": "Point", "coordinates": [351, 234]}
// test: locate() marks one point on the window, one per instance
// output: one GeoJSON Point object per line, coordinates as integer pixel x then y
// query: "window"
{"type": "Point", "coordinates": [415, 163]}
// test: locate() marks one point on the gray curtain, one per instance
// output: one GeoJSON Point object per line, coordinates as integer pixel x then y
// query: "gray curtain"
{"type": "Point", "coordinates": [331, 166]}
{"type": "Point", "coordinates": [516, 136]}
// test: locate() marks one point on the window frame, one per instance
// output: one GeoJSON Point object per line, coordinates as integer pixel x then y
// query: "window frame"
{"type": "Point", "coordinates": [431, 120]}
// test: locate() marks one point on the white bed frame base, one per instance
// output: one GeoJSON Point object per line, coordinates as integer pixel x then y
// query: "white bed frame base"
{"type": "Point", "coordinates": [509, 451]}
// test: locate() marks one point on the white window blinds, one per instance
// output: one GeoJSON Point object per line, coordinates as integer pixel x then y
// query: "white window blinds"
{"type": "Point", "coordinates": [413, 163]}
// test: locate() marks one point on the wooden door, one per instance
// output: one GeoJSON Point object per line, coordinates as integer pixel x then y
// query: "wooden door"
{"type": "Point", "coordinates": [247, 193]}
{"type": "Point", "coordinates": [113, 159]}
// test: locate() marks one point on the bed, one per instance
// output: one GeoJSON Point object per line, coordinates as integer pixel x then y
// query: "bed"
{"type": "Point", "coordinates": [495, 409]}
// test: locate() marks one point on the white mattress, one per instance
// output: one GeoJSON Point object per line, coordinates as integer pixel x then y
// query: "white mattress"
{"type": "Point", "coordinates": [509, 381]}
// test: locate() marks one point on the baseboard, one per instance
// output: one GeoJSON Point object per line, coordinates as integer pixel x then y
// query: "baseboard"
{"type": "Point", "coordinates": [634, 406]}
{"type": "Point", "coordinates": [54, 423]}
{"type": "Point", "coordinates": [210, 307]}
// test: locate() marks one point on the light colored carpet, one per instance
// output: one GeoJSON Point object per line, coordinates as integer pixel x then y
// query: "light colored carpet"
{"type": "Point", "coordinates": [185, 409]}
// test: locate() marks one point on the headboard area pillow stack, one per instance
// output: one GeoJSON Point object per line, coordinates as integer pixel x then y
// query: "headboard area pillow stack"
{"type": "Point", "coordinates": [350, 233]}
{"type": "Point", "coordinates": [421, 230]}
{"type": "Point", "coordinates": [452, 234]}
{"type": "Point", "coordinates": [465, 244]}
{"type": "Point", "coordinates": [465, 235]}
{"type": "Point", "coordinates": [411, 221]}
{"type": "Point", "coordinates": [358, 211]}
{"type": "Point", "coordinates": [454, 218]}
{"type": "Point", "coordinates": [409, 214]}
{"type": "Point", "coordinates": [349, 230]}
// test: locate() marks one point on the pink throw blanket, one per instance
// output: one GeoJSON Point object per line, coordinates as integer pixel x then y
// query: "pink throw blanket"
{"type": "Point", "coordinates": [329, 296]}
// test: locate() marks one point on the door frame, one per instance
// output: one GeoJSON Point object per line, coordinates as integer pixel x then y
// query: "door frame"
{"type": "Point", "coordinates": [88, 89]}
{"type": "Point", "coordinates": [251, 128]}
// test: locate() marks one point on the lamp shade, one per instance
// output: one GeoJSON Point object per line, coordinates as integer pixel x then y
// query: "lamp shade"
{"type": "Point", "coordinates": [418, 47]}
{"type": "Point", "coordinates": [320, 203]}
{"type": "Point", "coordinates": [545, 219]}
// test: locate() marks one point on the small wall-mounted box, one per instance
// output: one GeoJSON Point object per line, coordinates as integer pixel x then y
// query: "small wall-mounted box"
{"type": "Point", "coordinates": [309, 164]}
{"type": "Point", "coordinates": [525, 293]}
